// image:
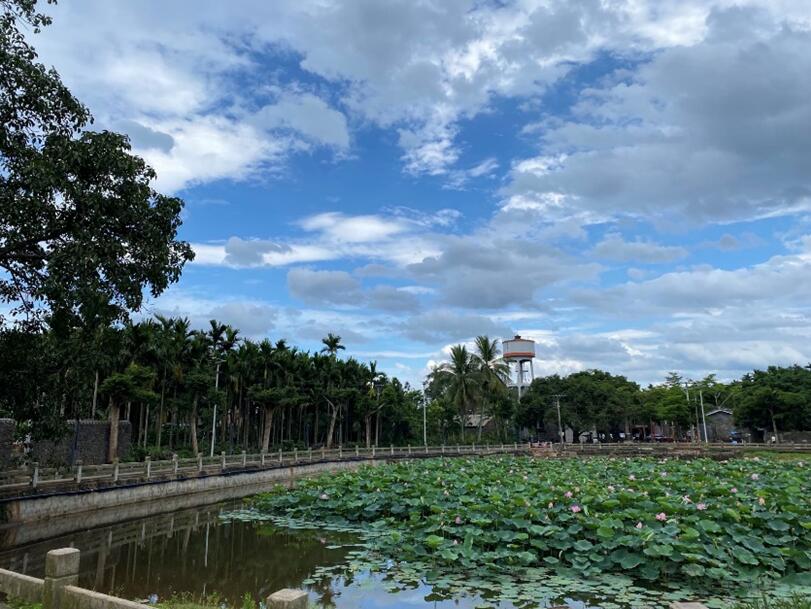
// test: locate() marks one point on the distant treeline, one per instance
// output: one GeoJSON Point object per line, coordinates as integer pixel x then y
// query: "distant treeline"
{"type": "Point", "coordinates": [770, 401]}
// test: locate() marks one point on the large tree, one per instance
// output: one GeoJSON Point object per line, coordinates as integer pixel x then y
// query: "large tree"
{"type": "Point", "coordinates": [79, 221]}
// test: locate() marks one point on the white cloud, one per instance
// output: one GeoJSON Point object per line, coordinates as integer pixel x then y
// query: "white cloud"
{"type": "Point", "coordinates": [614, 247]}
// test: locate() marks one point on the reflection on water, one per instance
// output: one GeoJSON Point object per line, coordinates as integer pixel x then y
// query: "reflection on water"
{"type": "Point", "coordinates": [188, 552]}
{"type": "Point", "coordinates": [195, 553]}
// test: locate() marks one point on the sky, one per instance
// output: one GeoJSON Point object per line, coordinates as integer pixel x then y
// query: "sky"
{"type": "Point", "coordinates": [627, 182]}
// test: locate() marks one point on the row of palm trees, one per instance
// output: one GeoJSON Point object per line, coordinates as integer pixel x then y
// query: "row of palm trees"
{"type": "Point", "coordinates": [471, 382]}
{"type": "Point", "coordinates": [190, 389]}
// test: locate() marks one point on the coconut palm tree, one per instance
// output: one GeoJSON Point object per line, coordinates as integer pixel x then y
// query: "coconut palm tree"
{"type": "Point", "coordinates": [461, 377]}
{"type": "Point", "coordinates": [494, 372]}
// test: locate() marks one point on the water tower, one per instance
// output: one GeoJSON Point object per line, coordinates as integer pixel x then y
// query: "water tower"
{"type": "Point", "coordinates": [518, 352]}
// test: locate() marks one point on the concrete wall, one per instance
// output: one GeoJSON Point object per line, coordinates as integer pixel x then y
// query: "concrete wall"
{"type": "Point", "coordinates": [21, 586]}
{"type": "Point", "coordinates": [6, 440]}
{"type": "Point", "coordinates": [46, 516]}
{"type": "Point", "coordinates": [91, 444]}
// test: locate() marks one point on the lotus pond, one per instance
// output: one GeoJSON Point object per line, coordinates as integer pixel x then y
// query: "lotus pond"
{"type": "Point", "coordinates": [518, 531]}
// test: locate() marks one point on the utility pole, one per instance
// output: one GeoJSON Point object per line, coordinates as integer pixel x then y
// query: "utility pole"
{"type": "Point", "coordinates": [703, 416]}
{"type": "Point", "coordinates": [561, 434]}
{"type": "Point", "coordinates": [424, 422]}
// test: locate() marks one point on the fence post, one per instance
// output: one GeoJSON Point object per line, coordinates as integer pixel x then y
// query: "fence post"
{"type": "Point", "coordinates": [458, 449]}
{"type": "Point", "coordinates": [515, 446]}
{"type": "Point", "coordinates": [391, 449]}
{"type": "Point", "coordinates": [357, 452]}
{"type": "Point", "coordinates": [174, 464]}
{"type": "Point", "coordinates": [426, 449]}
{"type": "Point", "coordinates": [199, 462]}
{"type": "Point", "coordinates": [148, 467]}
{"type": "Point", "coordinates": [409, 449]}
{"type": "Point", "coordinates": [310, 453]}
{"type": "Point", "coordinates": [244, 458]}
{"type": "Point", "coordinates": [340, 451]}
{"type": "Point", "coordinates": [281, 459]}
{"type": "Point", "coordinates": [116, 471]}
{"type": "Point", "coordinates": [474, 448]}
{"type": "Point", "coordinates": [323, 455]}
{"type": "Point", "coordinates": [222, 460]}
{"type": "Point", "coordinates": [442, 449]}
{"type": "Point", "coordinates": [262, 458]}
{"type": "Point", "coordinates": [373, 451]}
{"type": "Point", "coordinates": [35, 474]}
{"type": "Point", "coordinates": [78, 471]}
{"type": "Point", "coordinates": [61, 569]}
{"type": "Point", "coordinates": [295, 454]}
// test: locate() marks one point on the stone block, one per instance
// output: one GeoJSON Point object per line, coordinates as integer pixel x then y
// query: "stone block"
{"type": "Point", "coordinates": [62, 562]}
{"type": "Point", "coordinates": [689, 605]}
{"type": "Point", "coordinates": [287, 598]}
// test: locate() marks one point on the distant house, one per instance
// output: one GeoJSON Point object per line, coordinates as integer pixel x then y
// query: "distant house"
{"type": "Point", "coordinates": [720, 425]}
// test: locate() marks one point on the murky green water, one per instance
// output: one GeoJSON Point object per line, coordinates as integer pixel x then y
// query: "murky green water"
{"type": "Point", "coordinates": [193, 552]}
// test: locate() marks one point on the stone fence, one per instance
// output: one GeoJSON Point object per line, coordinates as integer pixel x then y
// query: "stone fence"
{"type": "Point", "coordinates": [59, 589]}
{"type": "Point", "coordinates": [85, 440]}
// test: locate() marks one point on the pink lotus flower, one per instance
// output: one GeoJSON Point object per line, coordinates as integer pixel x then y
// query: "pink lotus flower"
{"type": "Point", "coordinates": [701, 506]}
{"type": "Point", "coordinates": [755, 476]}
{"type": "Point", "coordinates": [568, 494]}
{"type": "Point", "coordinates": [458, 520]}
{"type": "Point", "coordinates": [761, 501]}
{"type": "Point", "coordinates": [686, 499]}
{"type": "Point", "coordinates": [638, 525]}
{"type": "Point", "coordinates": [733, 490]}
{"type": "Point", "coordinates": [661, 516]}
{"type": "Point", "coordinates": [576, 509]}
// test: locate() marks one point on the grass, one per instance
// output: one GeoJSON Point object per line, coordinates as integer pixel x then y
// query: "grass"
{"type": "Point", "coordinates": [793, 602]}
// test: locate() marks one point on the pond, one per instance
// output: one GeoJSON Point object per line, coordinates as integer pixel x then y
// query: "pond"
{"type": "Point", "coordinates": [195, 552]}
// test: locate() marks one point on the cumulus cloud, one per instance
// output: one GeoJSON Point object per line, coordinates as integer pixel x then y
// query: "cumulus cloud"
{"type": "Point", "coordinates": [449, 326]}
{"type": "Point", "coordinates": [323, 287]}
{"type": "Point", "coordinates": [614, 247]}
{"type": "Point", "coordinates": [714, 131]}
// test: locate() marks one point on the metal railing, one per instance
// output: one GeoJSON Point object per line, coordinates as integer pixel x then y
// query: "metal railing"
{"type": "Point", "coordinates": [33, 478]}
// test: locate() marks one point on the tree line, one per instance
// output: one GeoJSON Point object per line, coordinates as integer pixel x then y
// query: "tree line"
{"type": "Point", "coordinates": [475, 382]}
{"type": "Point", "coordinates": [181, 387]}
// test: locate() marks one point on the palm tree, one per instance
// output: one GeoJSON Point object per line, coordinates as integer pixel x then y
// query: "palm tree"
{"type": "Point", "coordinates": [332, 344]}
{"type": "Point", "coordinates": [461, 377]}
{"type": "Point", "coordinates": [493, 370]}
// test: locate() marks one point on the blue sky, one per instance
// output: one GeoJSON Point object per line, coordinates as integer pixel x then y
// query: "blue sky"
{"type": "Point", "coordinates": [628, 183]}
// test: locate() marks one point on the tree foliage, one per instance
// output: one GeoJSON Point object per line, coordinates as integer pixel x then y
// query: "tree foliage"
{"type": "Point", "coordinates": [80, 224]}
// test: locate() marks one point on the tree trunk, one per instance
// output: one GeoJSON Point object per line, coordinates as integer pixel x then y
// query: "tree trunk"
{"type": "Point", "coordinates": [267, 428]}
{"type": "Point", "coordinates": [774, 427]}
{"type": "Point", "coordinates": [112, 445]}
{"type": "Point", "coordinates": [159, 422]}
{"type": "Point", "coordinates": [332, 420]}
{"type": "Point", "coordinates": [95, 395]}
{"type": "Point", "coordinates": [193, 426]}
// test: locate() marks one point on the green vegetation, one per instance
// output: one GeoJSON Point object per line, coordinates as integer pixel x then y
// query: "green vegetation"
{"type": "Point", "coordinates": [520, 529]}
{"type": "Point", "coordinates": [793, 602]}
{"type": "Point", "coordinates": [168, 379]}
